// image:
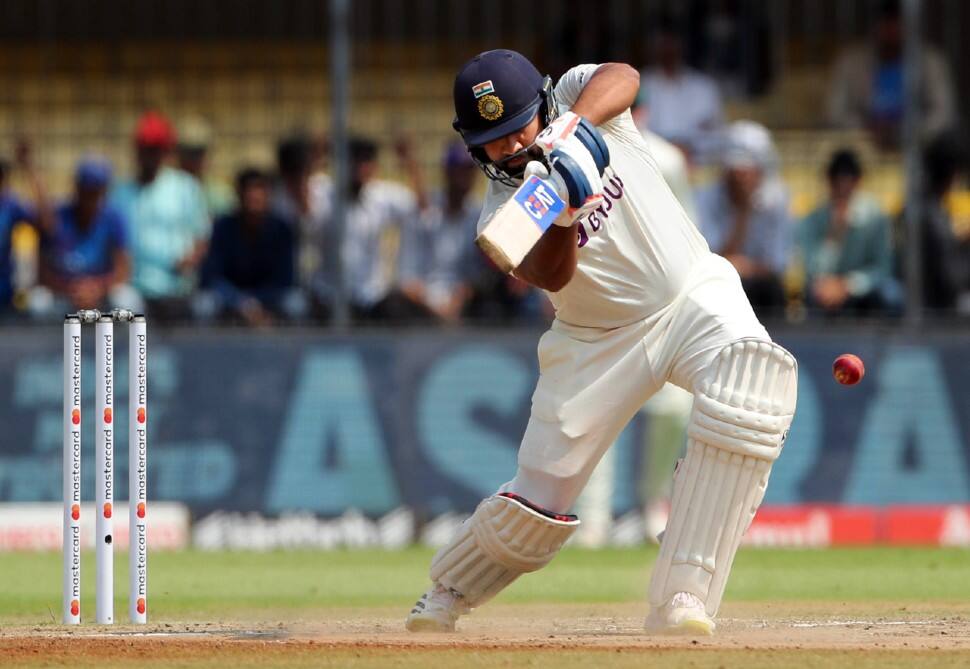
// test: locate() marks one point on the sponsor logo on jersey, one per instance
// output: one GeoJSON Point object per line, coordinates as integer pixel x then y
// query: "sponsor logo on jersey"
{"type": "Point", "coordinates": [483, 88]}
{"type": "Point", "coordinates": [593, 222]}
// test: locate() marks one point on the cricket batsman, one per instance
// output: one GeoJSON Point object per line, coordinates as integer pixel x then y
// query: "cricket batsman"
{"type": "Point", "coordinates": [640, 300]}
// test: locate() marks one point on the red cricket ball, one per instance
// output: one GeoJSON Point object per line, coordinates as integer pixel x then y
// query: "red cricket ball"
{"type": "Point", "coordinates": [848, 369]}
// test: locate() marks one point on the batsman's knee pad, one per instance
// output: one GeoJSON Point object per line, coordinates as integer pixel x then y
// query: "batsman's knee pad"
{"type": "Point", "coordinates": [742, 411]}
{"type": "Point", "coordinates": [506, 537]}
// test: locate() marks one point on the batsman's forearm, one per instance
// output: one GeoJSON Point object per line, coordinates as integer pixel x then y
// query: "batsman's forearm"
{"type": "Point", "coordinates": [552, 261]}
{"type": "Point", "coordinates": [610, 92]}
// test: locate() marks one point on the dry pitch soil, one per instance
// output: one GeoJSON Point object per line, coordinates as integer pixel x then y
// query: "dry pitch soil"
{"type": "Point", "coordinates": [749, 635]}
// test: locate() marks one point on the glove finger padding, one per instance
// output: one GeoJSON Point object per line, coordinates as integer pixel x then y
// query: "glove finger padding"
{"type": "Point", "coordinates": [562, 127]}
{"type": "Point", "coordinates": [535, 168]}
{"type": "Point", "coordinates": [569, 127]}
{"type": "Point", "coordinates": [578, 170]}
{"type": "Point", "coordinates": [591, 138]}
{"type": "Point", "coordinates": [578, 188]}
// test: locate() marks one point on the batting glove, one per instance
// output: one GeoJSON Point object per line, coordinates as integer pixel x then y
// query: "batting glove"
{"type": "Point", "coordinates": [574, 180]}
{"type": "Point", "coordinates": [572, 131]}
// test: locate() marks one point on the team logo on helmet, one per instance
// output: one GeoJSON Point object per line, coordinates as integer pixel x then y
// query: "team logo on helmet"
{"type": "Point", "coordinates": [490, 107]}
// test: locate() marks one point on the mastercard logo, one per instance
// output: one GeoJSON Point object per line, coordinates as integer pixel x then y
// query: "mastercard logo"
{"type": "Point", "coordinates": [107, 509]}
{"type": "Point", "coordinates": [76, 511]}
{"type": "Point", "coordinates": [141, 414]}
{"type": "Point", "coordinates": [75, 607]}
{"type": "Point", "coordinates": [107, 414]}
{"type": "Point", "coordinates": [76, 417]}
{"type": "Point", "coordinates": [140, 606]}
{"type": "Point", "coordinates": [140, 510]}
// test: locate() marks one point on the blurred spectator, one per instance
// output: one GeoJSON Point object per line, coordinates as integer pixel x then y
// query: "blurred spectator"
{"type": "Point", "coordinates": [19, 223]}
{"type": "Point", "coordinates": [498, 298]}
{"type": "Point", "coordinates": [437, 253]}
{"type": "Point", "coordinates": [685, 105]}
{"type": "Point", "coordinates": [194, 150]}
{"type": "Point", "coordinates": [12, 211]}
{"type": "Point", "coordinates": [377, 213]}
{"type": "Point", "coordinates": [744, 215]}
{"type": "Point", "coordinates": [945, 256]}
{"type": "Point", "coordinates": [168, 222]}
{"type": "Point", "coordinates": [582, 37]}
{"type": "Point", "coordinates": [731, 41]}
{"type": "Point", "coordinates": [868, 89]}
{"type": "Point", "coordinates": [249, 269]}
{"type": "Point", "coordinates": [84, 260]}
{"type": "Point", "coordinates": [671, 161]}
{"type": "Point", "coordinates": [301, 199]}
{"type": "Point", "coordinates": [846, 246]}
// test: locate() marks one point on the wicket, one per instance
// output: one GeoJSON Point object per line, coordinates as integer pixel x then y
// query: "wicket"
{"type": "Point", "coordinates": [104, 461]}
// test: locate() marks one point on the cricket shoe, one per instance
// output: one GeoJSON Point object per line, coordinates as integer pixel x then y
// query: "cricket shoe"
{"type": "Point", "coordinates": [683, 614]}
{"type": "Point", "coordinates": [437, 611]}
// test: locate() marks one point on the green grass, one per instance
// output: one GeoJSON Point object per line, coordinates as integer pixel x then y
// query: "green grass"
{"type": "Point", "coordinates": [192, 585]}
{"type": "Point", "coordinates": [280, 587]}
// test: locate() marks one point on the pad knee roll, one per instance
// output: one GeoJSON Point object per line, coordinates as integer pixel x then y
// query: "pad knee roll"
{"type": "Point", "coordinates": [506, 537]}
{"type": "Point", "coordinates": [742, 411]}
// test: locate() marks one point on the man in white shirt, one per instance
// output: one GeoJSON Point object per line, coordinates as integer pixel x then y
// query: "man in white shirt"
{"type": "Point", "coordinates": [378, 214]}
{"type": "Point", "coordinates": [744, 214]}
{"type": "Point", "coordinates": [640, 300]}
{"type": "Point", "coordinates": [868, 89]}
{"type": "Point", "coordinates": [437, 262]}
{"type": "Point", "coordinates": [685, 105]}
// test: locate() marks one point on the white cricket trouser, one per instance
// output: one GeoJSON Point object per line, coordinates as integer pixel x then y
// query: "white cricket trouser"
{"type": "Point", "coordinates": [593, 381]}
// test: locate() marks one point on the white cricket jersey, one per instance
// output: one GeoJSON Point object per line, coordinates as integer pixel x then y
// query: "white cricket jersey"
{"type": "Point", "coordinates": [637, 250]}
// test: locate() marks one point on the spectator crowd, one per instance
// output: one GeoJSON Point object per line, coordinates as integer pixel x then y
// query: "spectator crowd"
{"type": "Point", "coordinates": [183, 247]}
{"type": "Point", "coordinates": [174, 241]}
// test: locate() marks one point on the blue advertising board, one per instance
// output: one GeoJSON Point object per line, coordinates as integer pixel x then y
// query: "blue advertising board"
{"type": "Point", "coordinates": [428, 419]}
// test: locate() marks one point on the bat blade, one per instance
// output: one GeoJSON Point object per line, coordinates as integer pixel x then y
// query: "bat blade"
{"type": "Point", "coordinates": [515, 227]}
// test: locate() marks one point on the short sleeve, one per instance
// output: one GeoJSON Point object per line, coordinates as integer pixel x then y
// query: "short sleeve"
{"type": "Point", "coordinates": [572, 83]}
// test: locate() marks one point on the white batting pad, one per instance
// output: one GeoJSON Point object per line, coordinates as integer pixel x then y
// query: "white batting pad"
{"type": "Point", "coordinates": [505, 538]}
{"type": "Point", "coordinates": [742, 411]}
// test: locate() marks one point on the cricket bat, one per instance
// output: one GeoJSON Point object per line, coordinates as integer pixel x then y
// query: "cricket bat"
{"type": "Point", "coordinates": [515, 227]}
